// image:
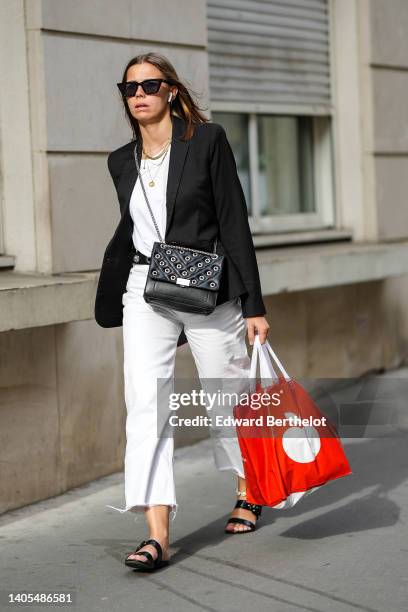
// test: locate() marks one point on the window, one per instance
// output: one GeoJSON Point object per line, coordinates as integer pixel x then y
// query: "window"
{"type": "Point", "coordinates": [270, 87]}
{"type": "Point", "coordinates": [284, 164]}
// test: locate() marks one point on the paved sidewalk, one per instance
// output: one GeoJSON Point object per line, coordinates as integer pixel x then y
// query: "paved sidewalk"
{"type": "Point", "coordinates": [343, 548]}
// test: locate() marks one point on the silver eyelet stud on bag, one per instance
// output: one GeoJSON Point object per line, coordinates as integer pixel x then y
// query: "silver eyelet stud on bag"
{"type": "Point", "coordinates": [200, 264]}
{"type": "Point", "coordinates": [167, 270]}
{"type": "Point", "coordinates": [157, 256]}
{"type": "Point", "coordinates": [215, 268]}
{"type": "Point", "coordinates": [154, 272]}
{"type": "Point", "coordinates": [212, 284]}
{"type": "Point", "coordinates": [188, 258]}
{"type": "Point", "coordinates": [209, 272]}
{"type": "Point", "coordinates": [161, 263]}
{"type": "Point", "coordinates": [207, 260]}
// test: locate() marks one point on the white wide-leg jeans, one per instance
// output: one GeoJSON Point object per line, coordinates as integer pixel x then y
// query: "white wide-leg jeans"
{"type": "Point", "coordinates": [150, 334]}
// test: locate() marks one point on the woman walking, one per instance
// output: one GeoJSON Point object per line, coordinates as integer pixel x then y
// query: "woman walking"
{"type": "Point", "coordinates": [190, 180]}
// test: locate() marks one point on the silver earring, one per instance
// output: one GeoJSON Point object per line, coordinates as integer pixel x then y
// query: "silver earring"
{"type": "Point", "coordinates": [170, 97]}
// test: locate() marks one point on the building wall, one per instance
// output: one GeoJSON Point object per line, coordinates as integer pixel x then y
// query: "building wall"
{"type": "Point", "coordinates": [388, 65]}
{"type": "Point", "coordinates": [74, 115]}
{"type": "Point", "coordinates": [62, 409]}
{"type": "Point", "coordinates": [389, 68]}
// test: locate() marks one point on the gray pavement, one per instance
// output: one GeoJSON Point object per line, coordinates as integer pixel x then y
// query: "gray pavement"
{"type": "Point", "coordinates": [343, 548]}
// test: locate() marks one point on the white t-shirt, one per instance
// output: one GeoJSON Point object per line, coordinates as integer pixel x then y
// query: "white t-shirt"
{"type": "Point", "coordinates": [144, 232]}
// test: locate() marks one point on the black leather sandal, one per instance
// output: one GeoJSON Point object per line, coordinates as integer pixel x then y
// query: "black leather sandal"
{"type": "Point", "coordinates": [151, 564]}
{"type": "Point", "coordinates": [255, 508]}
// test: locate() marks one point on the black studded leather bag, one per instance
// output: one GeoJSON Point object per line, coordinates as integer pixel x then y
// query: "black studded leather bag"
{"type": "Point", "coordinates": [181, 277]}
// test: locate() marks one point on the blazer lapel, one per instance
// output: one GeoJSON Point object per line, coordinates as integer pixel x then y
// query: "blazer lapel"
{"type": "Point", "coordinates": [178, 152]}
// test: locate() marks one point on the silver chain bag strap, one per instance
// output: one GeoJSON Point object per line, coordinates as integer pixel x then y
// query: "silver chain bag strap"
{"type": "Point", "coordinates": [181, 277]}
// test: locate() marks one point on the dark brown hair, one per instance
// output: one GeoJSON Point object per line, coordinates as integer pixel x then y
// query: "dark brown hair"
{"type": "Point", "coordinates": [183, 105]}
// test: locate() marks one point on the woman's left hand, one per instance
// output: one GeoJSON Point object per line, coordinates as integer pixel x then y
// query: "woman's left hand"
{"type": "Point", "coordinates": [257, 325]}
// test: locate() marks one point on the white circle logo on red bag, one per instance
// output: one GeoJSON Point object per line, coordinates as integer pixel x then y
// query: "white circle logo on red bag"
{"type": "Point", "coordinates": [301, 444]}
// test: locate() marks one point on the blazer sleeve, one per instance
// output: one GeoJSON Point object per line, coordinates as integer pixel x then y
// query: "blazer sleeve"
{"type": "Point", "coordinates": [115, 163]}
{"type": "Point", "coordinates": [232, 214]}
{"type": "Point", "coordinates": [112, 167]}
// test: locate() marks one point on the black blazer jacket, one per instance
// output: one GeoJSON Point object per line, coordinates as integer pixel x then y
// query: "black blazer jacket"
{"type": "Point", "coordinates": [204, 199]}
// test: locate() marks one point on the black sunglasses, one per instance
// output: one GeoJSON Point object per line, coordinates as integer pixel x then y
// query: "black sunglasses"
{"type": "Point", "coordinates": [149, 86]}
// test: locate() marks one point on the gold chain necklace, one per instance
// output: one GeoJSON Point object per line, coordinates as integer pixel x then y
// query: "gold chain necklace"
{"type": "Point", "coordinates": [151, 182]}
{"type": "Point", "coordinates": [161, 152]}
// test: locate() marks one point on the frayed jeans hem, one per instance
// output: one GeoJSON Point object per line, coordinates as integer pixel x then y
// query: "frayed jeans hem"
{"type": "Point", "coordinates": [138, 508]}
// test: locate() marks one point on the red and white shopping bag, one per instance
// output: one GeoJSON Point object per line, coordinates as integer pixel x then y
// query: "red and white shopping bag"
{"type": "Point", "coordinates": [287, 459]}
